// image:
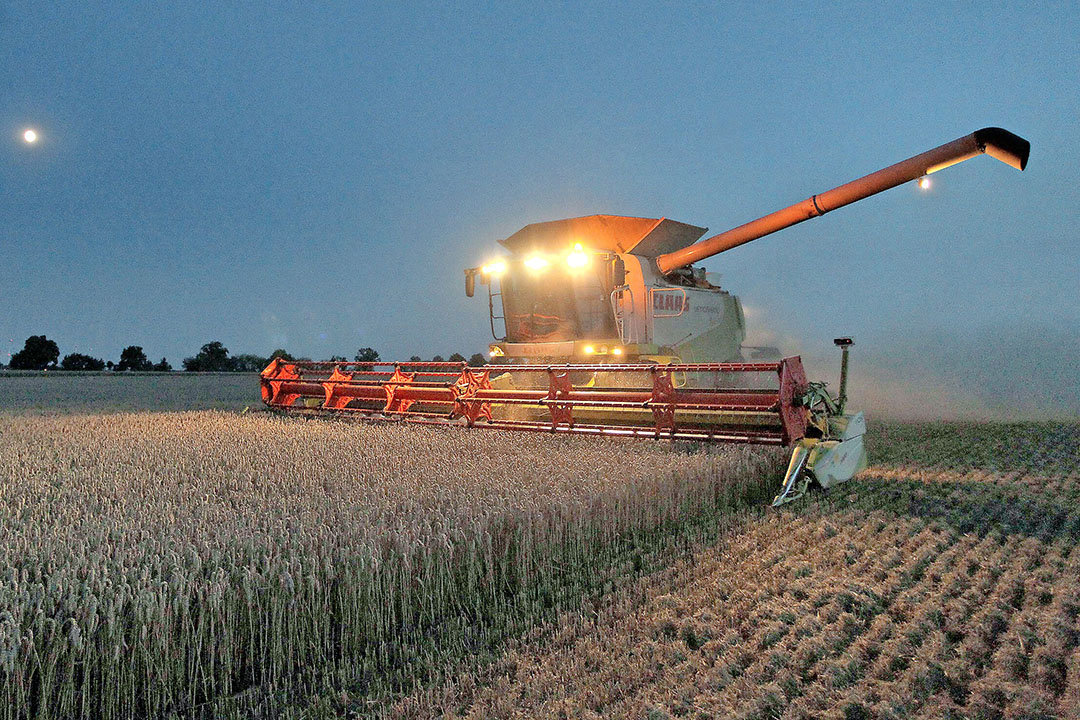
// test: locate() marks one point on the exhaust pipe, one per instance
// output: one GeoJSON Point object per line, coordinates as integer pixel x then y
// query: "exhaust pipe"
{"type": "Point", "coordinates": [996, 142]}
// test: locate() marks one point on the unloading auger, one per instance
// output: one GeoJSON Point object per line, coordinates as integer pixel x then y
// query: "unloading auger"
{"type": "Point", "coordinates": [608, 329]}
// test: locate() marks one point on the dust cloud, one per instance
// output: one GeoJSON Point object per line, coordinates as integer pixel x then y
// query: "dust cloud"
{"type": "Point", "coordinates": [991, 373]}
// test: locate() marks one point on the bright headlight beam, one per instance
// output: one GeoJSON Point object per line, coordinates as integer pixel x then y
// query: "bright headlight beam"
{"type": "Point", "coordinates": [536, 263]}
{"type": "Point", "coordinates": [577, 258]}
{"type": "Point", "coordinates": [494, 268]}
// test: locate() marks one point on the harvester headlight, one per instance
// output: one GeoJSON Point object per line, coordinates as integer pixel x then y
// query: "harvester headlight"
{"type": "Point", "coordinates": [589, 349]}
{"type": "Point", "coordinates": [497, 267]}
{"type": "Point", "coordinates": [536, 263]}
{"type": "Point", "coordinates": [616, 351]}
{"type": "Point", "coordinates": [495, 351]}
{"type": "Point", "coordinates": [577, 258]}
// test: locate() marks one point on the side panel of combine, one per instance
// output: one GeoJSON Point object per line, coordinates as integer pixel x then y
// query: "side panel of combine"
{"type": "Point", "coordinates": [699, 325]}
{"type": "Point", "coordinates": [695, 324]}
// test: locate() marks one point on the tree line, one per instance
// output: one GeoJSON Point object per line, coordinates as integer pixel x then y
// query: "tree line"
{"type": "Point", "coordinates": [41, 353]}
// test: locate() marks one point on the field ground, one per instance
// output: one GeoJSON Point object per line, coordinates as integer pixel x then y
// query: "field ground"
{"type": "Point", "coordinates": [207, 564]}
{"type": "Point", "coordinates": [67, 392]}
{"type": "Point", "coordinates": [943, 583]}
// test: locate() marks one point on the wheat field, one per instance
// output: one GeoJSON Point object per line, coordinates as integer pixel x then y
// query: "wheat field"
{"type": "Point", "coordinates": [209, 563]}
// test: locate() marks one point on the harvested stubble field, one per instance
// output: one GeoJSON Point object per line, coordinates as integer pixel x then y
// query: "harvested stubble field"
{"type": "Point", "coordinates": [209, 563]}
{"type": "Point", "coordinates": [943, 583]}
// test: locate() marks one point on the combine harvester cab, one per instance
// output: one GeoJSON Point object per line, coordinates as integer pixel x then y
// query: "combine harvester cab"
{"type": "Point", "coordinates": [609, 329]}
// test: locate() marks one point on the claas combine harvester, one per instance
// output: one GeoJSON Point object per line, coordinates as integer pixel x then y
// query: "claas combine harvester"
{"type": "Point", "coordinates": [610, 329]}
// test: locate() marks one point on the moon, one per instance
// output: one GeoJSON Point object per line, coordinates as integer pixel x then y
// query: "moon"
{"type": "Point", "coordinates": [30, 136]}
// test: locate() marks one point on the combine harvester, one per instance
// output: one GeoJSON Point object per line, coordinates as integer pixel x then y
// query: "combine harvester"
{"type": "Point", "coordinates": [611, 330]}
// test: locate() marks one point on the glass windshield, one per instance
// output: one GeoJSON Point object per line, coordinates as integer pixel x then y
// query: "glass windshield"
{"type": "Point", "coordinates": [555, 306]}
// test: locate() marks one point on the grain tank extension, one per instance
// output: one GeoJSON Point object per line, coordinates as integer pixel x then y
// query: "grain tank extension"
{"type": "Point", "coordinates": [608, 328]}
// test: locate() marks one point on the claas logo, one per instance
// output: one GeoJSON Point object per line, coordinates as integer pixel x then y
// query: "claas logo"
{"type": "Point", "coordinates": [670, 302]}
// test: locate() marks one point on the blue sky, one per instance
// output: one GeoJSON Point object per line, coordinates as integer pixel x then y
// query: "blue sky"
{"type": "Point", "coordinates": [317, 177]}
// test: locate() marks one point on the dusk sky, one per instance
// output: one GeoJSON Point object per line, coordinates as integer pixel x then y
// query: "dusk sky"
{"type": "Point", "coordinates": [316, 177]}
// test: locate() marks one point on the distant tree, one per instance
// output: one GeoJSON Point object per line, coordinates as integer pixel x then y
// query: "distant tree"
{"type": "Point", "coordinates": [133, 358]}
{"type": "Point", "coordinates": [437, 358]}
{"type": "Point", "coordinates": [283, 354]}
{"type": "Point", "coordinates": [110, 365]}
{"type": "Point", "coordinates": [39, 353]}
{"type": "Point", "coordinates": [338, 358]}
{"type": "Point", "coordinates": [212, 357]}
{"type": "Point", "coordinates": [456, 357]}
{"type": "Point", "coordinates": [367, 355]}
{"type": "Point", "coordinates": [249, 363]}
{"type": "Point", "coordinates": [78, 361]}
{"type": "Point", "coordinates": [478, 359]}
{"type": "Point", "coordinates": [415, 358]}
{"type": "Point", "coordinates": [163, 366]}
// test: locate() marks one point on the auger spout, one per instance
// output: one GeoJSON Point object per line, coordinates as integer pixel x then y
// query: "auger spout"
{"type": "Point", "coordinates": [997, 143]}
